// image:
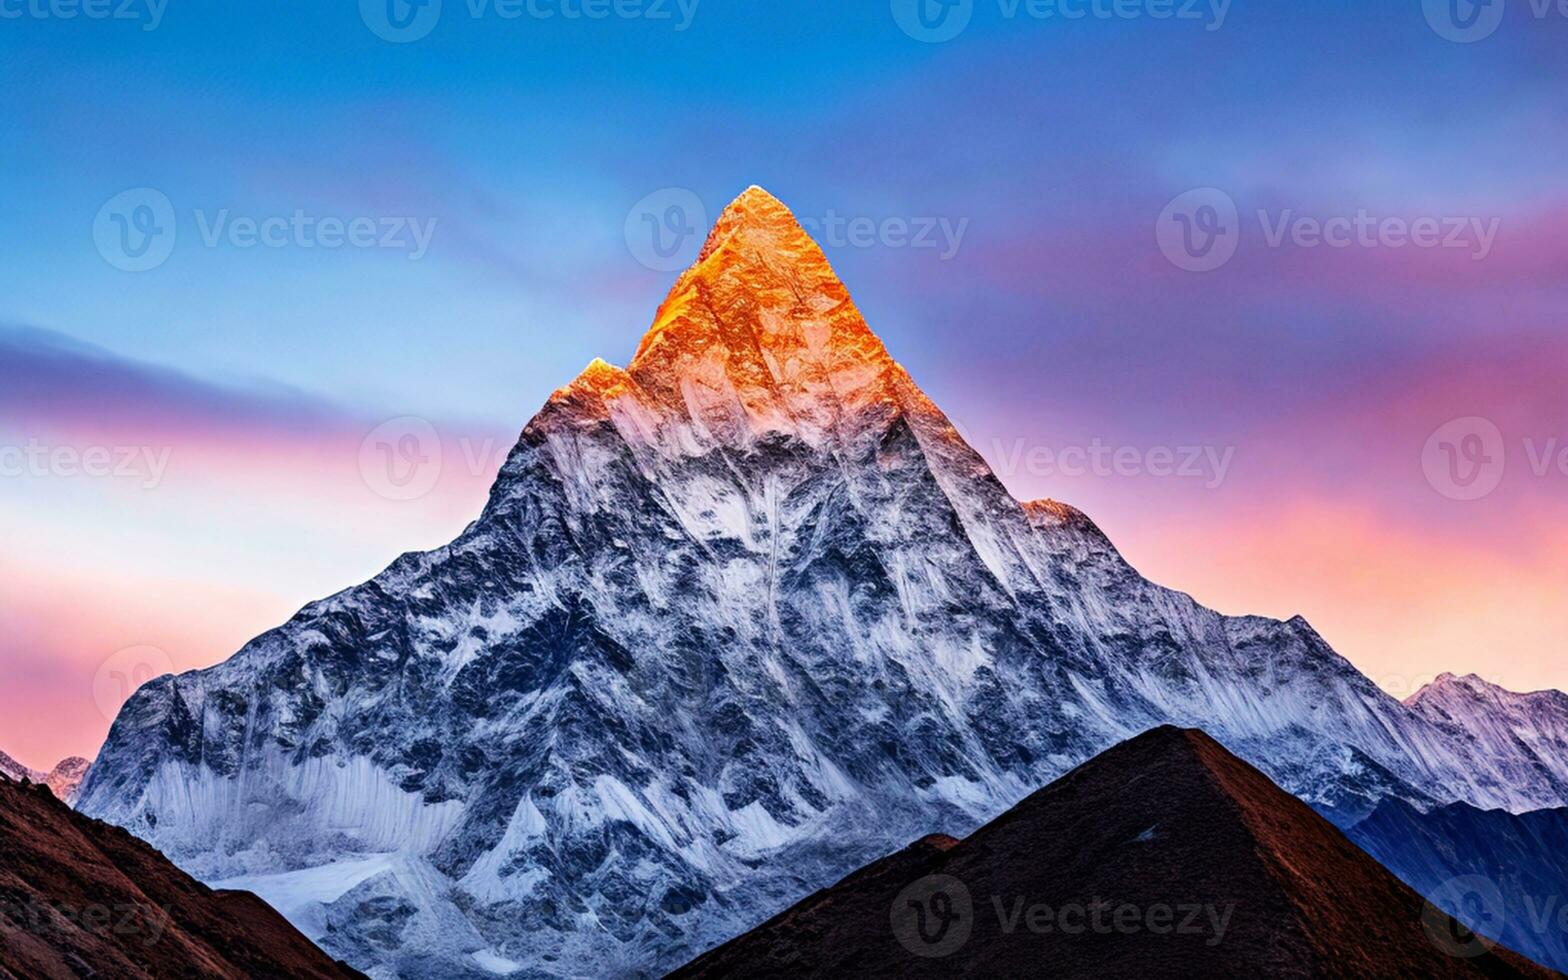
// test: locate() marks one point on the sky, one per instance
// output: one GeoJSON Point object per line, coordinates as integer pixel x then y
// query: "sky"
{"type": "Point", "coordinates": [1276, 292]}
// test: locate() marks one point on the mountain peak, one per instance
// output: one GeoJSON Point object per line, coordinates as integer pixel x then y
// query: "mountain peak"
{"type": "Point", "coordinates": [1470, 685]}
{"type": "Point", "coordinates": [1450, 688]}
{"type": "Point", "coordinates": [65, 779]}
{"type": "Point", "coordinates": [760, 334]}
{"type": "Point", "coordinates": [1444, 684]}
{"type": "Point", "coordinates": [12, 769]}
{"type": "Point", "coordinates": [600, 376]}
{"type": "Point", "coordinates": [754, 208]}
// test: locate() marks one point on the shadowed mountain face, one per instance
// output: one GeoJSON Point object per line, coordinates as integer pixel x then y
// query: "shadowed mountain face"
{"type": "Point", "coordinates": [79, 898]}
{"type": "Point", "coordinates": [737, 618]}
{"type": "Point", "coordinates": [1164, 857]}
{"type": "Point", "coordinates": [1506, 874]}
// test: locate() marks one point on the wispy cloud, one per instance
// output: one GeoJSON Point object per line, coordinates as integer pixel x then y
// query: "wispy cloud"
{"type": "Point", "coordinates": [50, 379]}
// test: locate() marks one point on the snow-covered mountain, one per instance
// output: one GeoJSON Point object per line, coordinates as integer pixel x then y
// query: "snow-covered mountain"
{"type": "Point", "coordinates": [1523, 736]}
{"type": "Point", "coordinates": [736, 619]}
{"type": "Point", "coordinates": [64, 779]}
{"type": "Point", "coordinates": [11, 769]}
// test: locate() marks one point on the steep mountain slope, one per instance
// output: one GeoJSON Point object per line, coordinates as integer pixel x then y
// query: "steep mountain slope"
{"type": "Point", "coordinates": [735, 620]}
{"type": "Point", "coordinates": [1166, 856]}
{"type": "Point", "coordinates": [79, 898]}
{"type": "Point", "coordinates": [1505, 873]}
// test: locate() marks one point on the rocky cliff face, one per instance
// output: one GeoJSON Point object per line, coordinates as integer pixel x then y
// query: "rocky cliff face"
{"type": "Point", "coordinates": [735, 620]}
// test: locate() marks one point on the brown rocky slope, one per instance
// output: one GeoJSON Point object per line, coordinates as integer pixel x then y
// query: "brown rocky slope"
{"type": "Point", "coordinates": [81, 898]}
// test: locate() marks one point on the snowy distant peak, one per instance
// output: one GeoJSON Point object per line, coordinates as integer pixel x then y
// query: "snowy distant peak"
{"type": "Point", "coordinates": [14, 770]}
{"type": "Point", "coordinates": [1476, 704]}
{"type": "Point", "coordinates": [590, 394]}
{"type": "Point", "coordinates": [1446, 685]}
{"type": "Point", "coordinates": [66, 778]}
{"type": "Point", "coordinates": [1525, 734]}
{"type": "Point", "coordinates": [63, 779]}
{"type": "Point", "coordinates": [1451, 688]}
{"type": "Point", "coordinates": [756, 249]}
{"type": "Point", "coordinates": [601, 377]}
{"type": "Point", "coordinates": [1068, 531]}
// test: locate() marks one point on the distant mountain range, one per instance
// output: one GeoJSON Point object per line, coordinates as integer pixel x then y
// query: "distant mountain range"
{"type": "Point", "coordinates": [64, 779]}
{"type": "Point", "coordinates": [79, 898]}
{"type": "Point", "coordinates": [736, 619]}
{"type": "Point", "coordinates": [1506, 874]}
{"type": "Point", "coordinates": [1165, 856]}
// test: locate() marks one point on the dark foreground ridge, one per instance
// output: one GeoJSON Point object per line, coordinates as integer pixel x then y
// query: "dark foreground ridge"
{"type": "Point", "coordinates": [80, 898]}
{"type": "Point", "coordinates": [1165, 856]}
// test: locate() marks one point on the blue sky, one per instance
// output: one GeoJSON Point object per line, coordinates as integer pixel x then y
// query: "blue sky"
{"type": "Point", "coordinates": [527, 140]}
{"type": "Point", "coordinates": [1044, 149]}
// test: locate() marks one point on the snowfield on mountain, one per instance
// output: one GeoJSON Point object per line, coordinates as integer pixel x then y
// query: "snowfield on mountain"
{"type": "Point", "coordinates": [736, 620]}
